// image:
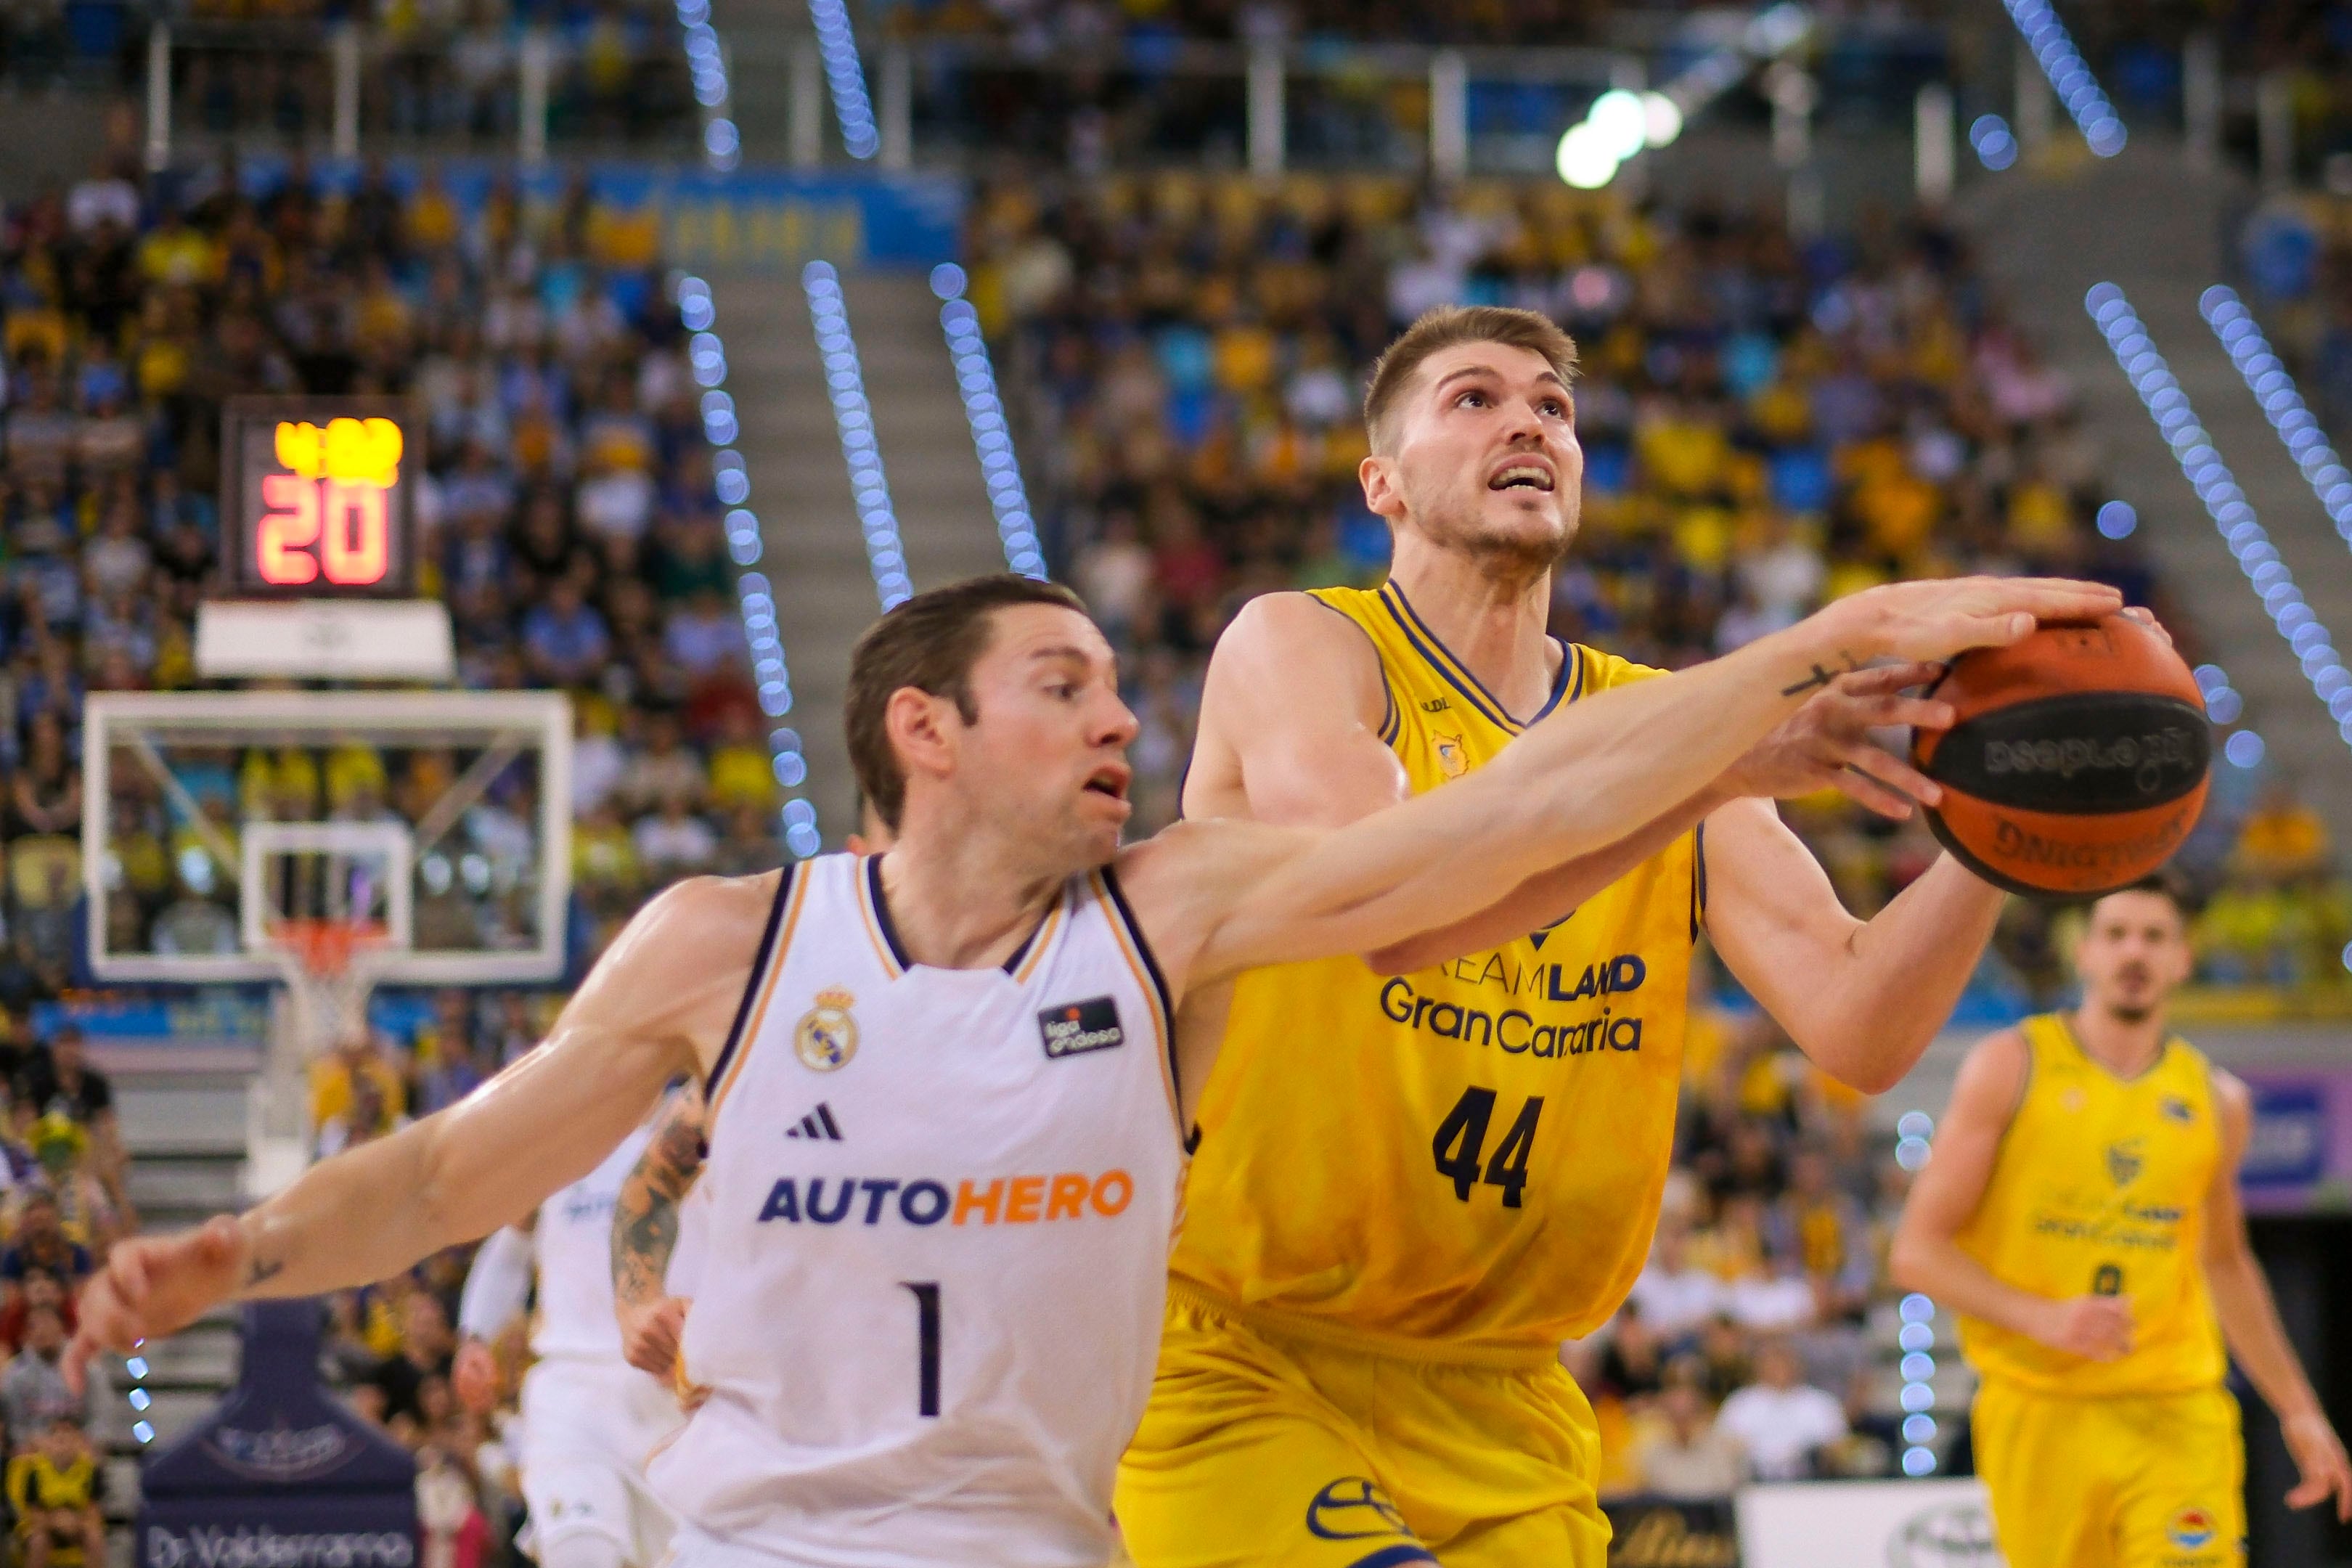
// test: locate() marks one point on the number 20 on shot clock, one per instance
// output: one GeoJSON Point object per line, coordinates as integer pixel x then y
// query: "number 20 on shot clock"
{"type": "Point", "coordinates": [317, 497]}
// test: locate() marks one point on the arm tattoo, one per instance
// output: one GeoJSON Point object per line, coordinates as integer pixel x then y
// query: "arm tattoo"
{"type": "Point", "coordinates": [260, 1271]}
{"type": "Point", "coordinates": [644, 1219]}
{"type": "Point", "coordinates": [1821, 677]}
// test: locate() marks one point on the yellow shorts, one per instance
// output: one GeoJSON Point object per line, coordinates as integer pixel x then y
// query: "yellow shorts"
{"type": "Point", "coordinates": [1266, 1449]}
{"type": "Point", "coordinates": [2142, 1481]}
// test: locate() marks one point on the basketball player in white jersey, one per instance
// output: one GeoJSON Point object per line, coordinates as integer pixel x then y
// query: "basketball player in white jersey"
{"type": "Point", "coordinates": [589, 1418]}
{"type": "Point", "coordinates": [925, 1342]}
{"type": "Point", "coordinates": [649, 1212]}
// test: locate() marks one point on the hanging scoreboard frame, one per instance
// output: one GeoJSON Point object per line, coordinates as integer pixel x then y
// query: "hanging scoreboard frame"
{"type": "Point", "coordinates": [318, 498]}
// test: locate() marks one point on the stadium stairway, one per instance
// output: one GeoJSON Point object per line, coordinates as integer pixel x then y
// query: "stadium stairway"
{"type": "Point", "coordinates": [814, 555]}
{"type": "Point", "coordinates": [186, 1134]}
{"type": "Point", "coordinates": [760, 39]}
{"type": "Point", "coordinates": [811, 552]}
{"type": "Point", "coordinates": [2048, 239]}
{"type": "Point", "coordinates": [919, 417]}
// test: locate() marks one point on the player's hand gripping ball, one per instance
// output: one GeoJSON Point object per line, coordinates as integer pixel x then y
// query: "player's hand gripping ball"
{"type": "Point", "coordinates": [2077, 759]}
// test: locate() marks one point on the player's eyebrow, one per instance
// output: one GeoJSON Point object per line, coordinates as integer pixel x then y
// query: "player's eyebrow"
{"type": "Point", "coordinates": [1064, 653]}
{"type": "Point", "coordinates": [1545, 375]}
{"type": "Point", "coordinates": [1060, 650]}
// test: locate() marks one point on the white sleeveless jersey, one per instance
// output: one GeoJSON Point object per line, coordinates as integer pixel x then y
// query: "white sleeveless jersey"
{"type": "Point", "coordinates": [573, 1241]}
{"type": "Point", "coordinates": [939, 1210]}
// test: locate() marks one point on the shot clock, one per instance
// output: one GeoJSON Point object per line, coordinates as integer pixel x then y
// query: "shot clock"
{"type": "Point", "coordinates": [317, 498]}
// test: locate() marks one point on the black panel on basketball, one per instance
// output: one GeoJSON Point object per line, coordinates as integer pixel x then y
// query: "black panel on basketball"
{"type": "Point", "coordinates": [2082, 754]}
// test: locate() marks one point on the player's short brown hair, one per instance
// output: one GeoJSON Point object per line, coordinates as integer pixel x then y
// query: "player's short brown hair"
{"type": "Point", "coordinates": [2165, 883]}
{"type": "Point", "coordinates": [928, 642]}
{"type": "Point", "coordinates": [1447, 326]}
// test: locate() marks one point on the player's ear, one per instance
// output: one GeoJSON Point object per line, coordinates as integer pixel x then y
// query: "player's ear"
{"type": "Point", "coordinates": [1382, 497]}
{"type": "Point", "coordinates": [2183, 961]}
{"type": "Point", "coordinates": [924, 730]}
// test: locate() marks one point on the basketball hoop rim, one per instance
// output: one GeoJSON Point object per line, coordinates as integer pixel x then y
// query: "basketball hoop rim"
{"type": "Point", "coordinates": [320, 949]}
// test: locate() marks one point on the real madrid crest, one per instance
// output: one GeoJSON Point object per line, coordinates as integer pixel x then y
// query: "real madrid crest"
{"type": "Point", "coordinates": [826, 1035]}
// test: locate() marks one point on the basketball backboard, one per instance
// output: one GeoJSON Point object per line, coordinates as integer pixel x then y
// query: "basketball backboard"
{"type": "Point", "coordinates": [222, 830]}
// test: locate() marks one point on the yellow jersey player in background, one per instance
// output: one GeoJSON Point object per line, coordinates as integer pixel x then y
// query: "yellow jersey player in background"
{"type": "Point", "coordinates": [2080, 1213]}
{"type": "Point", "coordinates": [1387, 1238]}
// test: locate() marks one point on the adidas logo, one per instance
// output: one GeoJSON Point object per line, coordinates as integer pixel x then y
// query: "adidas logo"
{"type": "Point", "coordinates": [818, 1124]}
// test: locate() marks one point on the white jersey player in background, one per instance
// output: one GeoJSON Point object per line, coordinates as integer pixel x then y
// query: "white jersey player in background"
{"type": "Point", "coordinates": [589, 1420]}
{"type": "Point", "coordinates": [924, 1344]}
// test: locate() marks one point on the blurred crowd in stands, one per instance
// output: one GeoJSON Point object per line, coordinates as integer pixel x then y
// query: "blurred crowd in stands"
{"type": "Point", "coordinates": [64, 1202]}
{"type": "Point", "coordinates": [1758, 1343]}
{"type": "Point", "coordinates": [1506, 23]}
{"type": "Point", "coordinates": [1767, 425]}
{"type": "Point", "coordinates": [395, 1343]}
{"type": "Point", "coordinates": [442, 71]}
{"type": "Point", "coordinates": [566, 513]}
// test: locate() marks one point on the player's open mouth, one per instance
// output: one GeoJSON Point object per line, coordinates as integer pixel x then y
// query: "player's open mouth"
{"type": "Point", "coordinates": [1111, 782]}
{"type": "Point", "coordinates": [1522, 475]}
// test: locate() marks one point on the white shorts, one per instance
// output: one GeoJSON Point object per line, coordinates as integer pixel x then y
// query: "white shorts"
{"type": "Point", "coordinates": [587, 1429]}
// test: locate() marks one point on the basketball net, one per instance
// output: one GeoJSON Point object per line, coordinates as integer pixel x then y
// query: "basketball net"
{"type": "Point", "coordinates": [328, 967]}
{"type": "Point", "coordinates": [328, 971]}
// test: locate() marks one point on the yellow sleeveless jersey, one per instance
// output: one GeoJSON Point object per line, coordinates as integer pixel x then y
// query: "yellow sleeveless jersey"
{"type": "Point", "coordinates": [1471, 1155]}
{"type": "Point", "coordinates": [2100, 1188]}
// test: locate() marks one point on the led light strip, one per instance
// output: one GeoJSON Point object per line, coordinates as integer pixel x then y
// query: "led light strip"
{"type": "Point", "coordinates": [2223, 501]}
{"type": "Point", "coordinates": [2054, 49]}
{"type": "Point", "coordinates": [984, 410]}
{"type": "Point", "coordinates": [706, 64]}
{"type": "Point", "coordinates": [845, 382]}
{"type": "Point", "coordinates": [2266, 377]}
{"type": "Point", "coordinates": [707, 358]}
{"type": "Point", "coordinates": [1916, 1338]}
{"type": "Point", "coordinates": [844, 77]}
{"type": "Point", "coordinates": [1996, 148]}
{"type": "Point", "coordinates": [141, 1400]}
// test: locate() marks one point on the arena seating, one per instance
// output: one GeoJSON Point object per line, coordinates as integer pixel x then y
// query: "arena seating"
{"type": "Point", "coordinates": [440, 76]}
{"type": "Point", "coordinates": [570, 522]}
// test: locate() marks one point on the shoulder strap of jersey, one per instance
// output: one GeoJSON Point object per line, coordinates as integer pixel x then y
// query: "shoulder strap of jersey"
{"type": "Point", "coordinates": [1600, 671]}
{"type": "Point", "coordinates": [2044, 1035]}
{"type": "Point", "coordinates": [2202, 1066]}
{"type": "Point", "coordinates": [1363, 607]}
{"type": "Point", "coordinates": [1407, 647]}
{"type": "Point", "coordinates": [1429, 651]}
{"type": "Point", "coordinates": [1126, 933]}
{"type": "Point", "coordinates": [791, 893]}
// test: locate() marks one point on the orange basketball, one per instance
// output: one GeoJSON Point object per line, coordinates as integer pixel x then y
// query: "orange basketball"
{"type": "Point", "coordinates": [2078, 763]}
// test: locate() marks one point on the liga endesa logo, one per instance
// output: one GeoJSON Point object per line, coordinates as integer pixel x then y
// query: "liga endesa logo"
{"type": "Point", "coordinates": [2190, 1528]}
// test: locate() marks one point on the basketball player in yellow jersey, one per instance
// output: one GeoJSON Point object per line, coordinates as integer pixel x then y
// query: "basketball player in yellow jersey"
{"type": "Point", "coordinates": [2081, 1214]}
{"type": "Point", "coordinates": [1387, 1241]}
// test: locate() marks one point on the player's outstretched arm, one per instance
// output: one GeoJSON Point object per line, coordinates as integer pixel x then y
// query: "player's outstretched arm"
{"type": "Point", "coordinates": [1861, 998]}
{"type": "Point", "coordinates": [1588, 774]}
{"type": "Point", "coordinates": [657, 1003]}
{"type": "Point", "coordinates": [1927, 1256]}
{"type": "Point", "coordinates": [1825, 744]}
{"type": "Point", "coordinates": [2250, 1320]}
{"type": "Point", "coordinates": [644, 1236]}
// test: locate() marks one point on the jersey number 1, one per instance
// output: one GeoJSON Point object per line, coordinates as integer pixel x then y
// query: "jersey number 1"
{"type": "Point", "coordinates": [927, 1351]}
{"type": "Point", "coordinates": [1461, 1138]}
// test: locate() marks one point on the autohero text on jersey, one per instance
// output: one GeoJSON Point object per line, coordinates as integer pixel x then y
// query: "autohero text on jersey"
{"type": "Point", "coordinates": [1002, 1200]}
{"type": "Point", "coordinates": [1515, 1031]}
